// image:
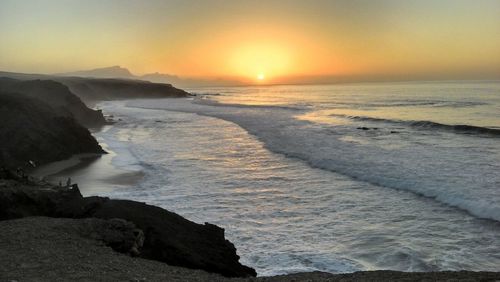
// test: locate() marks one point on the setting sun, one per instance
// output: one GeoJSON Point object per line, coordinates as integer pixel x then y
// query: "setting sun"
{"type": "Point", "coordinates": [261, 76]}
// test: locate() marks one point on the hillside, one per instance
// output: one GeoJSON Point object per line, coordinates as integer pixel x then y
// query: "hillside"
{"type": "Point", "coordinates": [57, 96]}
{"type": "Point", "coordinates": [33, 131]}
{"type": "Point", "coordinates": [92, 90]}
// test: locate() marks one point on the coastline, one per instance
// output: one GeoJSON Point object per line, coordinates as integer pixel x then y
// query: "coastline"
{"type": "Point", "coordinates": [90, 170]}
{"type": "Point", "coordinates": [106, 176]}
{"type": "Point", "coordinates": [245, 247]}
{"type": "Point", "coordinates": [61, 251]}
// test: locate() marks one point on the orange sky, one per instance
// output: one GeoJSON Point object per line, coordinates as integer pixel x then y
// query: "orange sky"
{"type": "Point", "coordinates": [279, 40]}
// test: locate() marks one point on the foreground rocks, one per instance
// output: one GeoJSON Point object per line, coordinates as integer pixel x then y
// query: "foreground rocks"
{"type": "Point", "coordinates": [94, 89]}
{"type": "Point", "coordinates": [112, 239]}
{"type": "Point", "coordinates": [63, 249]}
{"type": "Point", "coordinates": [167, 237]}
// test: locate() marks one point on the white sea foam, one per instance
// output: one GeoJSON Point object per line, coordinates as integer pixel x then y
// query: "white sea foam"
{"type": "Point", "coordinates": [440, 166]}
{"type": "Point", "coordinates": [253, 170]}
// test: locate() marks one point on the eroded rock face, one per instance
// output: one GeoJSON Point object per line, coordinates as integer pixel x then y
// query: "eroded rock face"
{"type": "Point", "coordinates": [94, 89]}
{"type": "Point", "coordinates": [177, 241]}
{"type": "Point", "coordinates": [165, 237]}
{"type": "Point", "coordinates": [56, 95]}
{"type": "Point", "coordinates": [33, 131]}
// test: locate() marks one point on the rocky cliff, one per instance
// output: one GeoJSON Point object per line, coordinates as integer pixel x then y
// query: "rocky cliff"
{"type": "Point", "coordinates": [93, 89]}
{"type": "Point", "coordinates": [168, 237]}
{"type": "Point", "coordinates": [57, 96]}
{"type": "Point", "coordinates": [31, 130]}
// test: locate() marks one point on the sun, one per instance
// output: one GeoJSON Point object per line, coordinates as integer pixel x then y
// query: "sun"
{"type": "Point", "coordinates": [261, 76]}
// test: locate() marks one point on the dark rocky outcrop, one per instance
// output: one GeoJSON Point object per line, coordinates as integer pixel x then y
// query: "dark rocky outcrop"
{"type": "Point", "coordinates": [177, 241]}
{"type": "Point", "coordinates": [119, 234]}
{"type": "Point", "coordinates": [57, 96]}
{"type": "Point", "coordinates": [93, 89]}
{"type": "Point", "coordinates": [33, 131]}
{"type": "Point", "coordinates": [168, 237]}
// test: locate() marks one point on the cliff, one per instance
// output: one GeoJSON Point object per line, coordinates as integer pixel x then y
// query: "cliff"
{"type": "Point", "coordinates": [57, 96]}
{"type": "Point", "coordinates": [34, 248]}
{"type": "Point", "coordinates": [161, 235]}
{"type": "Point", "coordinates": [33, 131]}
{"type": "Point", "coordinates": [92, 89]}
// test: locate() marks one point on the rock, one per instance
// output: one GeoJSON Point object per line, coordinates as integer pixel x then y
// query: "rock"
{"type": "Point", "coordinates": [60, 249]}
{"type": "Point", "coordinates": [56, 95]}
{"type": "Point", "coordinates": [19, 199]}
{"type": "Point", "coordinates": [164, 236]}
{"type": "Point", "coordinates": [95, 89]}
{"type": "Point", "coordinates": [119, 234]}
{"type": "Point", "coordinates": [33, 131]}
{"type": "Point", "coordinates": [177, 241]}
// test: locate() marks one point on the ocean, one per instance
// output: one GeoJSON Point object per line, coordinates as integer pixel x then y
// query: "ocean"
{"type": "Point", "coordinates": [336, 178]}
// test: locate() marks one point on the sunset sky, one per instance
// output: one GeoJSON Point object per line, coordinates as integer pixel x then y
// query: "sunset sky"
{"type": "Point", "coordinates": [276, 40]}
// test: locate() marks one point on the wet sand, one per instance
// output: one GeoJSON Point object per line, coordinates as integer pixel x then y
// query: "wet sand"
{"type": "Point", "coordinates": [95, 174]}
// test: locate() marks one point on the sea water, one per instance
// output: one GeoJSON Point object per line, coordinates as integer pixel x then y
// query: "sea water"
{"type": "Point", "coordinates": [336, 178]}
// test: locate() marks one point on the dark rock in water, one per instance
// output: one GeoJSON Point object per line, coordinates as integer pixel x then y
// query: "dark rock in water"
{"type": "Point", "coordinates": [168, 237]}
{"type": "Point", "coordinates": [394, 131]}
{"type": "Point", "coordinates": [363, 128]}
{"type": "Point", "coordinates": [33, 131]}
{"type": "Point", "coordinates": [57, 96]}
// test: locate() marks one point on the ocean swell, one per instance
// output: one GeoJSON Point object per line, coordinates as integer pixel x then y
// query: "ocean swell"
{"type": "Point", "coordinates": [452, 173]}
{"type": "Point", "coordinates": [430, 125]}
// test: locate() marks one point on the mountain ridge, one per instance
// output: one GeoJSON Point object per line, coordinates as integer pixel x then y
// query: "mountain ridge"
{"type": "Point", "coordinates": [119, 72]}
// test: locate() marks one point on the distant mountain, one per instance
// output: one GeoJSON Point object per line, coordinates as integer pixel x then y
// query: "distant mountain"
{"type": "Point", "coordinates": [188, 82]}
{"type": "Point", "coordinates": [108, 72]}
{"type": "Point", "coordinates": [123, 73]}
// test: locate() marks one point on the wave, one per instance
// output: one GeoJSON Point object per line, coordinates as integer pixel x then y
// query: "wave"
{"type": "Point", "coordinates": [452, 175]}
{"type": "Point", "coordinates": [412, 103]}
{"type": "Point", "coordinates": [425, 124]}
{"type": "Point", "coordinates": [209, 102]}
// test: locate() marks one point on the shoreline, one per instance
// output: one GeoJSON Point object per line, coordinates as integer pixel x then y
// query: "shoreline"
{"type": "Point", "coordinates": [246, 253]}
{"type": "Point", "coordinates": [90, 170]}
{"type": "Point", "coordinates": [114, 176]}
{"type": "Point", "coordinates": [62, 251]}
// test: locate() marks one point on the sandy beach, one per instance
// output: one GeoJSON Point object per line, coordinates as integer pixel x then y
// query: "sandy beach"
{"type": "Point", "coordinates": [95, 173]}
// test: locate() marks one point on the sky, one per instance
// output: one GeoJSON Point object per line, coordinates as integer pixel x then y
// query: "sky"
{"type": "Point", "coordinates": [274, 41]}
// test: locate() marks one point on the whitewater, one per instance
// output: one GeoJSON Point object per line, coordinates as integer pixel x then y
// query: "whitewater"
{"type": "Point", "coordinates": [335, 178]}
